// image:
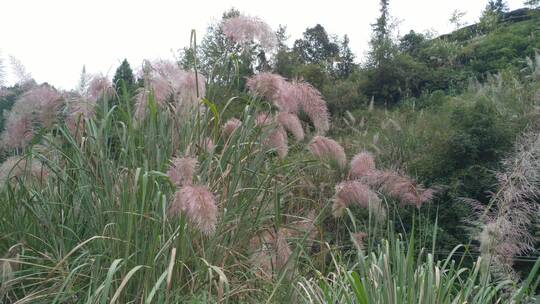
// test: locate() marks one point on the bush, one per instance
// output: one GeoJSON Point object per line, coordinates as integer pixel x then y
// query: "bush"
{"type": "Point", "coordinates": [312, 73]}
{"type": "Point", "coordinates": [343, 95]}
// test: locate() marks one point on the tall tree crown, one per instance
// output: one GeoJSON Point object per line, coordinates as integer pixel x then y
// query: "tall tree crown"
{"type": "Point", "coordinates": [124, 72]}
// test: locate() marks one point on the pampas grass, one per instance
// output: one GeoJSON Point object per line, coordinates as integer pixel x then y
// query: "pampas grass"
{"type": "Point", "coordinates": [292, 124]}
{"type": "Point", "coordinates": [351, 193]}
{"type": "Point", "coordinates": [246, 29]}
{"type": "Point", "coordinates": [181, 170]}
{"type": "Point", "coordinates": [326, 149]}
{"type": "Point", "coordinates": [199, 206]}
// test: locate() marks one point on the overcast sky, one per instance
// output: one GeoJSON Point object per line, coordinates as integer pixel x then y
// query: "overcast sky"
{"type": "Point", "coordinates": [54, 38]}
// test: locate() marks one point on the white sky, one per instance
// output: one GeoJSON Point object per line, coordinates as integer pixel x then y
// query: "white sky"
{"type": "Point", "coordinates": [54, 38]}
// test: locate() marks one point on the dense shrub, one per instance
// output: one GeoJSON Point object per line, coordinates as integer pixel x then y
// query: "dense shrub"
{"type": "Point", "coordinates": [343, 95]}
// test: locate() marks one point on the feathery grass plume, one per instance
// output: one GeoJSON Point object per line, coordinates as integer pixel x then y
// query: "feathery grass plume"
{"type": "Point", "coordinates": [141, 103]}
{"type": "Point", "coordinates": [17, 167]}
{"type": "Point", "coordinates": [289, 97]}
{"type": "Point", "coordinates": [358, 239]}
{"type": "Point", "coordinates": [8, 266]}
{"type": "Point", "coordinates": [263, 256]}
{"type": "Point", "coordinates": [291, 123]}
{"type": "Point", "coordinates": [100, 86]}
{"type": "Point", "coordinates": [6, 275]}
{"type": "Point", "coordinates": [283, 251]}
{"type": "Point", "coordinates": [43, 102]}
{"type": "Point", "coordinates": [313, 105]}
{"type": "Point", "coordinates": [276, 89]}
{"type": "Point", "coordinates": [208, 145]}
{"type": "Point", "coordinates": [199, 206]}
{"type": "Point", "coordinates": [246, 29]}
{"type": "Point", "coordinates": [418, 196]}
{"type": "Point", "coordinates": [401, 187]}
{"type": "Point", "coordinates": [298, 229]}
{"type": "Point", "coordinates": [326, 149]}
{"type": "Point", "coordinates": [18, 130]}
{"type": "Point", "coordinates": [265, 85]}
{"type": "Point", "coordinates": [230, 126]}
{"type": "Point", "coordinates": [355, 193]}
{"type": "Point", "coordinates": [374, 178]}
{"type": "Point", "coordinates": [181, 170]}
{"type": "Point", "coordinates": [191, 89]}
{"type": "Point", "coordinates": [169, 84]}
{"type": "Point", "coordinates": [78, 111]}
{"type": "Point", "coordinates": [362, 164]}
{"type": "Point", "coordinates": [398, 186]}
{"type": "Point", "coordinates": [155, 83]}
{"type": "Point", "coordinates": [496, 254]}
{"type": "Point", "coordinates": [264, 119]}
{"type": "Point", "coordinates": [506, 232]}
{"type": "Point", "coordinates": [277, 140]}
{"type": "Point", "coordinates": [390, 122]}
{"type": "Point", "coordinates": [39, 107]}
{"type": "Point", "coordinates": [270, 252]}
{"type": "Point", "coordinates": [406, 190]}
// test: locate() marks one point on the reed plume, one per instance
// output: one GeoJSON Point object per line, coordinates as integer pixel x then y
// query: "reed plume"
{"type": "Point", "coordinates": [277, 140]}
{"type": "Point", "coordinates": [38, 107]}
{"type": "Point", "coordinates": [313, 105]}
{"type": "Point", "coordinates": [362, 164]}
{"type": "Point", "coordinates": [291, 123]}
{"type": "Point", "coordinates": [169, 85]}
{"type": "Point", "coordinates": [230, 126]}
{"type": "Point", "coordinates": [100, 87]}
{"type": "Point", "coordinates": [21, 168]}
{"type": "Point", "coordinates": [358, 239]}
{"type": "Point", "coordinates": [326, 149]}
{"type": "Point", "coordinates": [506, 229]}
{"type": "Point", "coordinates": [355, 193]}
{"type": "Point", "coordinates": [391, 183]}
{"type": "Point", "coordinates": [181, 170]}
{"type": "Point", "coordinates": [246, 29]}
{"type": "Point", "coordinates": [199, 206]}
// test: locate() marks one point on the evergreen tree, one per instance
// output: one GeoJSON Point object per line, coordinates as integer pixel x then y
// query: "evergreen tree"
{"type": "Point", "coordinates": [316, 47]}
{"type": "Point", "coordinates": [497, 6]}
{"type": "Point", "coordinates": [263, 63]}
{"type": "Point", "coordinates": [411, 43]}
{"type": "Point", "coordinates": [382, 47]}
{"type": "Point", "coordinates": [285, 60]}
{"type": "Point", "coordinates": [346, 59]}
{"type": "Point", "coordinates": [282, 37]}
{"type": "Point", "coordinates": [187, 58]}
{"type": "Point", "coordinates": [124, 72]}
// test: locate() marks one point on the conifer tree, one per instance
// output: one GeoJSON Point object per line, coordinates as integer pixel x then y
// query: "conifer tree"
{"type": "Point", "coordinates": [124, 72]}
{"type": "Point", "coordinates": [382, 47]}
{"type": "Point", "coordinates": [346, 59]}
